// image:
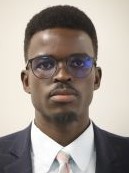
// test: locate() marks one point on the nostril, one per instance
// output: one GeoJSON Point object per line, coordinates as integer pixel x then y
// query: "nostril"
{"type": "Point", "coordinates": [62, 80]}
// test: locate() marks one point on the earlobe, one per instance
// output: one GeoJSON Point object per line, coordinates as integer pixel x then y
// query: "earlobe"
{"type": "Point", "coordinates": [25, 81]}
{"type": "Point", "coordinates": [98, 76]}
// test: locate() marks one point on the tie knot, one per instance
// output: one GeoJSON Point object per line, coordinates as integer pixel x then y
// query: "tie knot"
{"type": "Point", "coordinates": [62, 157]}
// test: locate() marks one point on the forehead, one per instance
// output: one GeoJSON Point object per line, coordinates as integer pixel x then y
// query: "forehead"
{"type": "Point", "coordinates": [60, 42]}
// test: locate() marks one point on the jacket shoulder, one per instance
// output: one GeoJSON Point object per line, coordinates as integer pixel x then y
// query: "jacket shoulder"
{"type": "Point", "coordinates": [111, 142]}
{"type": "Point", "coordinates": [109, 135]}
{"type": "Point", "coordinates": [112, 151]}
{"type": "Point", "coordinates": [8, 140]}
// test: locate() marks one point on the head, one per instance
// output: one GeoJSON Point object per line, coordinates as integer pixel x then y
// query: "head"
{"type": "Point", "coordinates": [62, 34]}
{"type": "Point", "coordinates": [60, 17]}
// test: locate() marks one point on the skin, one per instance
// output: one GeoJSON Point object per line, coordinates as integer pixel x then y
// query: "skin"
{"type": "Point", "coordinates": [62, 117]}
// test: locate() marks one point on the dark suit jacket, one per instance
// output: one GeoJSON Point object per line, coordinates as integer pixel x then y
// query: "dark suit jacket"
{"type": "Point", "coordinates": [112, 152]}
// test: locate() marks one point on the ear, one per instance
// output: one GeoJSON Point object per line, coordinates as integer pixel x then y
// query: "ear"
{"type": "Point", "coordinates": [25, 81]}
{"type": "Point", "coordinates": [98, 76]}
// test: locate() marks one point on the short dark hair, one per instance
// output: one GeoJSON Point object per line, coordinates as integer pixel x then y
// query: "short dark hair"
{"type": "Point", "coordinates": [63, 17]}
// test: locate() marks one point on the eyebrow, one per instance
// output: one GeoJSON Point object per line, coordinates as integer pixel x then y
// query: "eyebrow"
{"type": "Point", "coordinates": [56, 57]}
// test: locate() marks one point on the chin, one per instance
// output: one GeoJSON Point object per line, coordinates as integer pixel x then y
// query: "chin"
{"type": "Point", "coordinates": [64, 118]}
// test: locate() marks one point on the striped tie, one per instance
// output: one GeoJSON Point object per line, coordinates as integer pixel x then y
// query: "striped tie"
{"type": "Point", "coordinates": [63, 159]}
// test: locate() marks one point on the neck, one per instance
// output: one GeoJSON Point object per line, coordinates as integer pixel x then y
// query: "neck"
{"type": "Point", "coordinates": [65, 133]}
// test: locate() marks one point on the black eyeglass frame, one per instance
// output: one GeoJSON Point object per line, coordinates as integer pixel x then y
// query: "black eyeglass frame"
{"type": "Point", "coordinates": [29, 61]}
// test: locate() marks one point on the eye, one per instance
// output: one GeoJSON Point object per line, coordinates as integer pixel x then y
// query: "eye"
{"type": "Point", "coordinates": [81, 61]}
{"type": "Point", "coordinates": [77, 63]}
{"type": "Point", "coordinates": [44, 63]}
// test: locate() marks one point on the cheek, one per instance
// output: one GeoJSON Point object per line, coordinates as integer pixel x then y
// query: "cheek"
{"type": "Point", "coordinates": [87, 89]}
{"type": "Point", "coordinates": [38, 92]}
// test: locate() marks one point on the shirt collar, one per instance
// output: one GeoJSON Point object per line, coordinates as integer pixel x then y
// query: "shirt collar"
{"type": "Point", "coordinates": [45, 149]}
{"type": "Point", "coordinates": [82, 149]}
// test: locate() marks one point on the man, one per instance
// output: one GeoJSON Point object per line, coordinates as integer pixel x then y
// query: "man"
{"type": "Point", "coordinates": [61, 75]}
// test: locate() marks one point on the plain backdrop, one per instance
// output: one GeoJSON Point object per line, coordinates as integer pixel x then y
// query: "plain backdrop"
{"type": "Point", "coordinates": [110, 107]}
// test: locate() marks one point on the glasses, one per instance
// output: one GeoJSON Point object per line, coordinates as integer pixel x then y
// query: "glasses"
{"type": "Point", "coordinates": [45, 66]}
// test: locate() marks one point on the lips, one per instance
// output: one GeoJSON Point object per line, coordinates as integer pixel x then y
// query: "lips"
{"type": "Point", "coordinates": [63, 95]}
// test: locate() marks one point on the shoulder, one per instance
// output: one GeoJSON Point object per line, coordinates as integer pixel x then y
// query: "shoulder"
{"type": "Point", "coordinates": [109, 135]}
{"type": "Point", "coordinates": [105, 138]}
{"type": "Point", "coordinates": [15, 134]}
{"type": "Point", "coordinates": [8, 140]}
{"type": "Point", "coordinates": [112, 151]}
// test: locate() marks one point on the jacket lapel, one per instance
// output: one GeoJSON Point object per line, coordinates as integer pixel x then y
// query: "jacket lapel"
{"type": "Point", "coordinates": [19, 166]}
{"type": "Point", "coordinates": [19, 156]}
{"type": "Point", "coordinates": [105, 155]}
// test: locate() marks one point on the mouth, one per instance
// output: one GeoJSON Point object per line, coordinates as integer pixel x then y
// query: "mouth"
{"type": "Point", "coordinates": [63, 95]}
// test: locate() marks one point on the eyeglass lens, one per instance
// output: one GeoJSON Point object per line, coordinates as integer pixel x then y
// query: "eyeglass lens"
{"type": "Point", "coordinates": [77, 65]}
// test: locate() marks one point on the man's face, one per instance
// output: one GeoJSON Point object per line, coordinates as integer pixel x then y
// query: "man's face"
{"type": "Point", "coordinates": [62, 96]}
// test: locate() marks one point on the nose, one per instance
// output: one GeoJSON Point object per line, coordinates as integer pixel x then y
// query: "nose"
{"type": "Point", "coordinates": [62, 75]}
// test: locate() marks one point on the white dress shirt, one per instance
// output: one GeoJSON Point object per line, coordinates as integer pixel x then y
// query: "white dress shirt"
{"type": "Point", "coordinates": [45, 149]}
